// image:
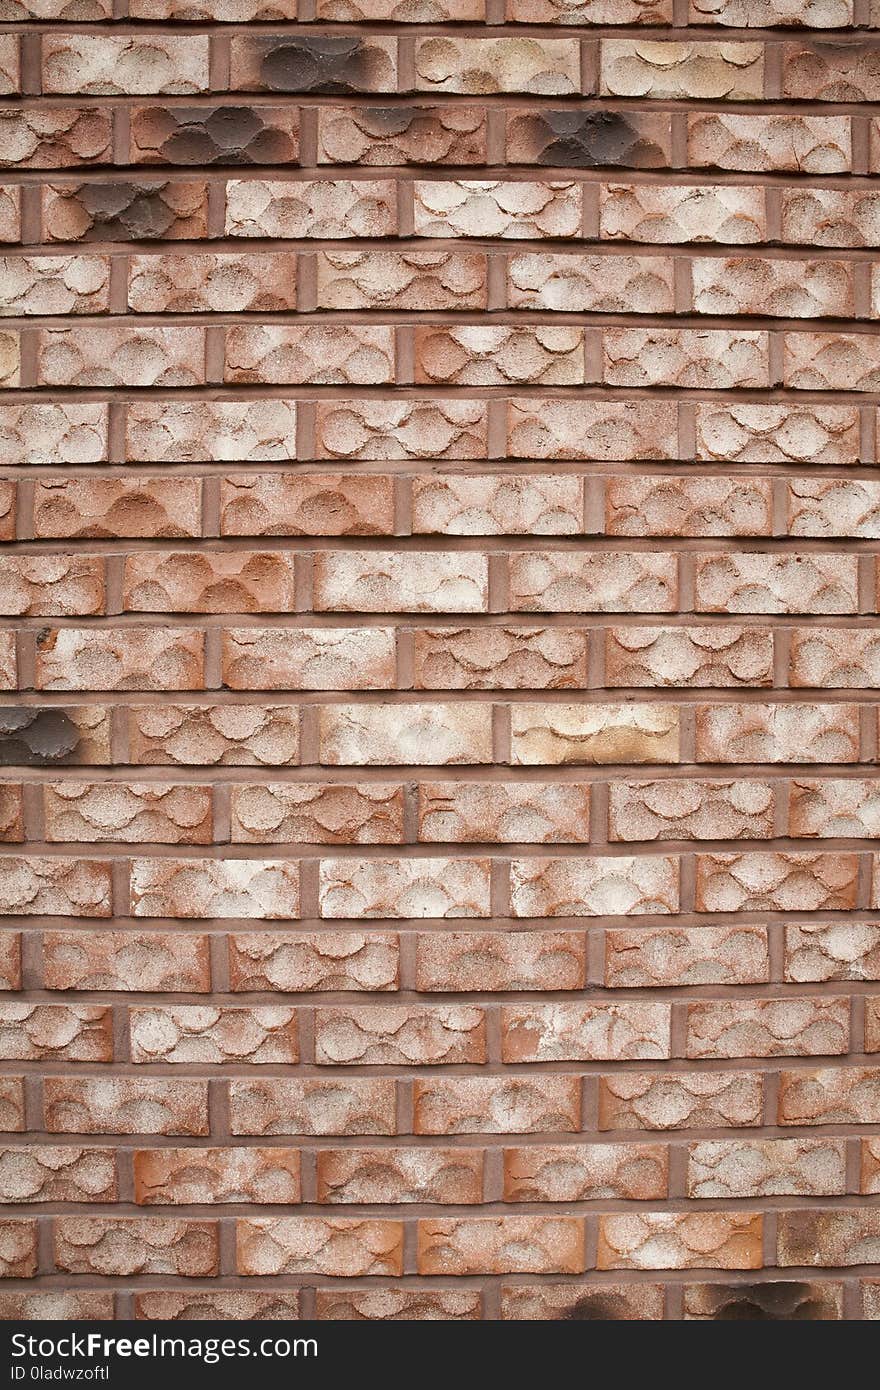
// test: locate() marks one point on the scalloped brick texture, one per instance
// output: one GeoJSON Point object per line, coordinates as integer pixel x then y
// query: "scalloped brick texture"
{"type": "Point", "coordinates": [439, 645]}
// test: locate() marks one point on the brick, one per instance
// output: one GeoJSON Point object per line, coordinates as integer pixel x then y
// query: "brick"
{"type": "Point", "coordinates": [384, 279]}
{"type": "Point", "coordinates": [319, 209]}
{"type": "Point", "coordinates": [192, 431]}
{"type": "Point", "coordinates": [684, 357]}
{"type": "Point", "coordinates": [166, 1305]}
{"type": "Point", "coordinates": [312, 1105]}
{"type": "Point", "coordinates": [53, 434]}
{"type": "Point", "coordinates": [396, 1305]}
{"type": "Point", "coordinates": [570, 1032]}
{"type": "Point", "coordinates": [789, 733]}
{"type": "Point", "coordinates": [771, 1300]}
{"type": "Point", "coordinates": [776, 584]}
{"type": "Point", "coordinates": [590, 284]}
{"type": "Point", "coordinates": [769, 144]}
{"type": "Point", "coordinates": [317, 813]}
{"type": "Point", "coordinates": [474, 505]}
{"type": "Point", "coordinates": [831, 1095]}
{"type": "Point", "coordinates": [590, 11]}
{"type": "Point", "coordinates": [323, 356]}
{"type": "Point", "coordinates": [54, 735]}
{"type": "Point", "coordinates": [830, 72]}
{"type": "Point", "coordinates": [777, 434]}
{"type": "Point", "coordinates": [872, 1024]}
{"type": "Point", "coordinates": [219, 11]}
{"type": "Point", "coordinates": [241, 581]}
{"type": "Point", "coordinates": [830, 362]}
{"type": "Point", "coordinates": [10, 65]}
{"type": "Point", "coordinates": [52, 585]}
{"type": "Point", "coordinates": [123, 658]}
{"type": "Point", "coordinates": [55, 285]}
{"type": "Point", "coordinates": [688, 656]}
{"type": "Point", "coordinates": [171, 1177]}
{"type": "Point", "coordinates": [129, 1105]}
{"type": "Point", "coordinates": [781, 289]}
{"type": "Point", "coordinates": [583, 1172]}
{"type": "Point", "coordinates": [504, 812]}
{"type": "Point", "coordinates": [18, 1248]}
{"type": "Point", "coordinates": [10, 213]}
{"type": "Point", "coordinates": [779, 882]}
{"type": "Point", "coordinates": [372, 581]}
{"type": "Point", "coordinates": [833, 507]}
{"type": "Point", "coordinates": [219, 284]}
{"type": "Point", "coordinates": [200, 135]}
{"type": "Point", "coordinates": [107, 508]}
{"type": "Point", "coordinates": [680, 1100]}
{"type": "Point", "coordinates": [56, 1305]}
{"type": "Point", "coordinates": [826, 14]}
{"type": "Point", "coordinates": [249, 888]}
{"type": "Point", "coordinates": [214, 735]}
{"type": "Point", "coordinates": [315, 961]}
{"type": "Point", "coordinates": [56, 887]}
{"type": "Point", "coordinates": [672, 71]}
{"type": "Point", "coordinates": [12, 1104]}
{"type": "Point", "coordinates": [493, 961]}
{"type": "Point", "coordinates": [594, 886]}
{"type": "Point", "coordinates": [56, 1032]}
{"type": "Point", "coordinates": [308, 658]}
{"type": "Point", "coordinates": [680, 1240]}
{"type": "Point", "coordinates": [496, 208]}
{"type": "Point", "coordinates": [8, 662]}
{"type": "Point", "coordinates": [131, 812]}
{"type": "Point", "coordinates": [800, 1027]}
{"type": "Point", "coordinates": [493, 658]}
{"type": "Point", "coordinates": [605, 430]}
{"type": "Point", "coordinates": [588, 139]}
{"type": "Point", "coordinates": [126, 960]}
{"type": "Point", "coordinates": [548, 1302]}
{"type": "Point", "coordinates": [396, 136]}
{"type": "Point", "coordinates": [106, 66]}
{"type": "Point", "coordinates": [430, 734]}
{"type": "Point", "coordinates": [306, 504]}
{"type": "Point", "coordinates": [136, 1245]}
{"type": "Point", "coordinates": [314, 63]}
{"type": "Point", "coordinates": [10, 359]}
{"type": "Point", "coordinates": [832, 809]}
{"type": "Point", "coordinates": [399, 1035]}
{"type": "Point", "coordinates": [812, 1236]}
{"type": "Point", "coordinates": [832, 951]}
{"type": "Point", "coordinates": [11, 814]}
{"type": "Point", "coordinates": [545, 67]}
{"type": "Point", "coordinates": [518, 1104]}
{"type": "Point", "coordinates": [501, 1245]}
{"type": "Point", "coordinates": [562, 582]}
{"type": "Point", "coordinates": [60, 138]}
{"type": "Point", "coordinates": [766, 1168]}
{"type": "Point", "coordinates": [559, 734]}
{"type": "Point", "coordinates": [663, 957]}
{"type": "Point", "coordinates": [205, 1034]}
{"type": "Point", "coordinates": [429, 429]}
{"type": "Point", "coordinates": [54, 1173]}
{"type": "Point", "coordinates": [834, 658]}
{"type": "Point", "coordinates": [830, 217]}
{"type": "Point", "coordinates": [121, 357]}
{"type": "Point", "coordinates": [688, 506]}
{"type": "Point", "coordinates": [403, 888]}
{"type": "Point", "coordinates": [668, 214]}
{"type": "Point", "coordinates": [346, 1246]}
{"type": "Point", "coordinates": [870, 1169]}
{"type": "Point", "coordinates": [479, 356]}
{"type": "Point", "coordinates": [443, 1176]}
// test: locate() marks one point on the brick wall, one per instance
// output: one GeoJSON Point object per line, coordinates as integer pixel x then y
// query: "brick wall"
{"type": "Point", "coordinates": [440, 585]}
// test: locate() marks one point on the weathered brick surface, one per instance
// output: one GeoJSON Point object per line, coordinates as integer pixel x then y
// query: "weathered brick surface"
{"type": "Point", "coordinates": [439, 590]}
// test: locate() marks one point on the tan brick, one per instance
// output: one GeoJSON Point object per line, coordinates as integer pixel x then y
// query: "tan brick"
{"type": "Point", "coordinates": [788, 143]}
{"type": "Point", "coordinates": [18, 1248]}
{"type": "Point", "coordinates": [833, 507]}
{"type": "Point", "coordinates": [123, 658]}
{"type": "Point", "coordinates": [203, 284]}
{"type": "Point", "coordinates": [371, 581]}
{"type": "Point", "coordinates": [132, 812]}
{"type": "Point", "coordinates": [680, 1240]}
{"type": "Point", "coordinates": [559, 734]}
{"type": "Point", "coordinates": [672, 809]}
{"type": "Point", "coordinates": [832, 951]}
{"type": "Point", "coordinates": [102, 65]}
{"type": "Point", "coordinates": [664, 957]}
{"type": "Point", "coordinates": [832, 1095]}
{"type": "Point", "coordinates": [422, 429]}
{"type": "Point", "coordinates": [240, 581]}
{"type": "Point", "coordinates": [121, 356]}
{"type": "Point", "coordinates": [312, 1105]}
{"type": "Point", "coordinates": [667, 214]}
{"type": "Point", "coordinates": [213, 1034]}
{"type": "Point", "coordinates": [52, 1173]}
{"type": "Point", "coordinates": [65, 1032]}
{"type": "Point", "coordinates": [680, 1100]}
{"type": "Point", "coordinates": [831, 362]}
{"type": "Point", "coordinates": [60, 138]}
{"type": "Point", "coordinates": [834, 808]}
{"type": "Point", "coordinates": [496, 208]}
{"type": "Point", "coordinates": [126, 960]}
{"type": "Point", "coordinates": [148, 508]}
{"type": "Point", "coordinates": [564, 582]}
{"type": "Point", "coordinates": [344, 1246]}
{"type": "Point", "coordinates": [777, 434]}
{"type": "Point", "coordinates": [54, 284]}
{"type": "Point", "coordinates": [214, 888]}
{"type": "Point", "coordinates": [317, 813]}
{"type": "Point", "coordinates": [192, 431]}
{"type": "Point", "coordinates": [797, 1027]}
{"type": "Point", "coordinates": [600, 430]}
{"type": "Point", "coordinates": [392, 1176]}
{"type": "Point", "coordinates": [480, 356]}
{"type": "Point", "coordinates": [591, 284]}
{"type": "Point", "coordinates": [504, 812]}
{"type": "Point", "coordinates": [498, 658]}
{"type": "Point", "coordinates": [136, 1245]}
{"type": "Point", "coordinates": [301, 504]}
{"type": "Point", "coordinates": [684, 357]}
{"type": "Point", "coordinates": [291, 962]}
{"type": "Point", "coordinates": [830, 72]}
{"type": "Point", "coordinates": [480, 505]}
{"type": "Point", "coordinates": [835, 658]}
{"type": "Point", "coordinates": [428, 734]}
{"type": "Point", "coordinates": [308, 658]}
{"type": "Point", "coordinates": [672, 71]}
{"type": "Point", "coordinates": [385, 279]}
{"type": "Point", "coordinates": [125, 1105]}
{"type": "Point", "coordinates": [574, 1032]}
{"type": "Point", "coordinates": [492, 961]}
{"type": "Point", "coordinates": [403, 888]}
{"type": "Point", "coordinates": [766, 1168]}
{"type": "Point", "coordinates": [252, 735]}
{"type": "Point", "coordinates": [501, 1245]}
{"type": "Point", "coordinates": [399, 1035]}
{"type": "Point", "coordinates": [57, 887]}
{"type": "Point", "coordinates": [403, 135]}
{"type": "Point", "coordinates": [323, 209]}
{"type": "Point", "coordinates": [780, 882]}
{"type": "Point", "coordinates": [331, 355]}
{"type": "Point", "coordinates": [52, 585]}
{"type": "Point", "coordinates": [420, 1304]}
{"type": "Point", "coordinates": [788, 733]}
{"type": "Point", "coordinates": [166, 1305]}
{"type": "Point", "coordinates": [830, 217]}
{"type": "Point", "coordinates": [546, 67]}
{"type": "Point", "coordinates": [518, 1104]}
